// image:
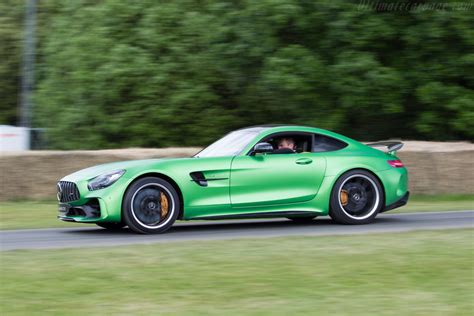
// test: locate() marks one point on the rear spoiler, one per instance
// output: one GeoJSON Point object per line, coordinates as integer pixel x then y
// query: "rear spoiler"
{"type": "Point", "coordinates": [391, 147]}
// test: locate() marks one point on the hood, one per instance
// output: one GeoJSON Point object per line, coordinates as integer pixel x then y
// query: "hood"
{"type": "Point", "coordinates": [92, 172]}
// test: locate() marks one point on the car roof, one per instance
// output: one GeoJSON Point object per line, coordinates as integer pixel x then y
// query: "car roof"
{"type": "Point", "coordinates": [277, 127]}
{"type": "Point", "coordinates": [268, 129]}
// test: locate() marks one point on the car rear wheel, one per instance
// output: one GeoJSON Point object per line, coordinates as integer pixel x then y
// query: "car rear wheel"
{"type": "Point", "coordinates": [111, 226]}
{"type": "Point", "coordinates": [356, 198]}
{"type": "Point", "coordinates": [151, 205]}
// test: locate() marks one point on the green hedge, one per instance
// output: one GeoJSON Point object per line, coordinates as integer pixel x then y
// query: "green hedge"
{"type": "Point", "coordinates": [117, 73]}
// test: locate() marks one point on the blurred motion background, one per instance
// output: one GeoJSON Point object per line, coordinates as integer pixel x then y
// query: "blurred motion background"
{"type": "Point", "coordinates": [94, 81]}
{"type": "Point", "coordinates": [114, 74]}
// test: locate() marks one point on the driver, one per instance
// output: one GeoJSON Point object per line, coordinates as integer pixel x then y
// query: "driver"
{"type": "Point", "coordinates": [286, 143]}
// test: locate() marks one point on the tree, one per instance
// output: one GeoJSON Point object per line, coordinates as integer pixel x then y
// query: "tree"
{"type": "Point", "coordinates": [125, 73]}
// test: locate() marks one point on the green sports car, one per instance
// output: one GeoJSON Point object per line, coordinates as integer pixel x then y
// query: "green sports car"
{"type": "Point", "coordinates": [295, 172]}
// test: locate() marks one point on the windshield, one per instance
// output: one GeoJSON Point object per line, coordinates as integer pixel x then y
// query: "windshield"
{"type": "Point", "coordinates": [229, 145]}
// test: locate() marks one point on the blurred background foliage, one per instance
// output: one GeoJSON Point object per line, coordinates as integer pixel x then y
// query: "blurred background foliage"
{"type": "Point", "coordinates": [115, 73]}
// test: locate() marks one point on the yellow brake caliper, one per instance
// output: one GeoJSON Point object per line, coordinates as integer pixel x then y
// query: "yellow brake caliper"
{"type": "Point", "coordinates": [164, 205]}
{"type": "Point", "coordinates": [343, 197]}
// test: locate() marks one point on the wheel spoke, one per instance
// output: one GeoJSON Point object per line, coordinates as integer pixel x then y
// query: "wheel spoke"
{"type": "Point", "coordinates": [351, 205]}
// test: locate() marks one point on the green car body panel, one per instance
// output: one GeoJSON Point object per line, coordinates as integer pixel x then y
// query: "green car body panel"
{"type": "Point", "coordinates": [244, 184]}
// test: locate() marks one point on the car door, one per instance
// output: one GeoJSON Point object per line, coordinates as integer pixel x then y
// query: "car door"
{"type": "Point", "coordinates": [272, 179]}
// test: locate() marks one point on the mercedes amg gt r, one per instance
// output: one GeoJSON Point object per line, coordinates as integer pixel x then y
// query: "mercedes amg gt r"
{"type": "Point", "coordinates": [245, 174]}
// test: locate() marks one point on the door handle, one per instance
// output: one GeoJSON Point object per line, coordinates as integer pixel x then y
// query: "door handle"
{"type": "Point", "coordinates": [304, 161]}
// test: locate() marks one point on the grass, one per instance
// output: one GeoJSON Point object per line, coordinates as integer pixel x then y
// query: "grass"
{"type": "Point", "coordinates": [30, 214]}
{"type": "Point", "coordinates": [427, 203]}
{"type": "Point", "coordinates": [42, 214]}
{"type": "Point", "coordinates": [416, 273]}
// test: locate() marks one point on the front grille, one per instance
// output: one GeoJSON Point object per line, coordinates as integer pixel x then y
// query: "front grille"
{"type": "Point", "coordinates": [67, 191]}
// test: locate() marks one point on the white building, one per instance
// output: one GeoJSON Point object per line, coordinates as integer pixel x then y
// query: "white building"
{"type": "Point", "coordinates": [14, 138]}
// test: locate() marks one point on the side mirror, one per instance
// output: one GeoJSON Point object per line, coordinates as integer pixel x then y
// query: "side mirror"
{"type": "Point", "coordinates": [262, 148]}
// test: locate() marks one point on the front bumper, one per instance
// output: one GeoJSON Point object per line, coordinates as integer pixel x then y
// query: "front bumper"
{"type": "Point", "coordinates": [80, 213]}
{"type": "Point", "coordinates": [102, 205]}
{"type": "Point", "coordinates": [402, 201]}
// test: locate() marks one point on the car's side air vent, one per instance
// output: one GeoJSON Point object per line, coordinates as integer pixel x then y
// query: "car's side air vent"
{"type": "Point", "coordinates": [67, 191]}
{"type": "Point", "coordinates": [199, 178]}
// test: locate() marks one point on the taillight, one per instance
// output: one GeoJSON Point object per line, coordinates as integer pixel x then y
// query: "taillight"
{"type": "Point", "coordinates": [395, 163]}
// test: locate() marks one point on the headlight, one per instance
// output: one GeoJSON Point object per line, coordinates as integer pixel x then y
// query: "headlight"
{"type": "Point", "coordinates": [104, 180]}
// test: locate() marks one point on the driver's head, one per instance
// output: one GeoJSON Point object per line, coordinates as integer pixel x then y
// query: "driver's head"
{"type": "Point", "coordinates": [286, 142]}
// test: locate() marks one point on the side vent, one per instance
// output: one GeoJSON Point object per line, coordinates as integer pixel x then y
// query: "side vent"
{"type": "Point", "coordinates": [199, 178]}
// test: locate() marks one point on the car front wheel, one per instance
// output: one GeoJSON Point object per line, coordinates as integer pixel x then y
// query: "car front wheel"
{"type": "Point", "coordinates": [356, 198]}
{"type": "Point", "coordinates": [151, 205]}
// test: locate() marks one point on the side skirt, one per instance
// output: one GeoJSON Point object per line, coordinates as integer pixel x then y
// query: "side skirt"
{"type": "Point", "coordinates": [259, 215]}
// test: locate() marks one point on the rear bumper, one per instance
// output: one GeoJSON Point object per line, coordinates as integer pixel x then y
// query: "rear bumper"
{"type": "Point", "coordinates": [400, 202]}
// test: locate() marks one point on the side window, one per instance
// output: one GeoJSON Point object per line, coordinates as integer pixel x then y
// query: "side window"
{"type": "Point", "coordinates": [301, 142]}
{"type": "Point", "coordinates": [325, 143]}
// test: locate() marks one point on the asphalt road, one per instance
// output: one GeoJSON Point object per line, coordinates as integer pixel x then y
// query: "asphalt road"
{"type": "Point", "coordinates": [193, 231]}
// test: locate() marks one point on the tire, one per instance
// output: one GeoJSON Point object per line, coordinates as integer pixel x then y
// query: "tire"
{"type": "Point", "coordinates": [150, 206]}
{"type": "Point", "coordinates": [302, 220]}
{"type": "Point", "coordinates": [356, 198]}
{"type": "Point", "coordinates": [111, 226]}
